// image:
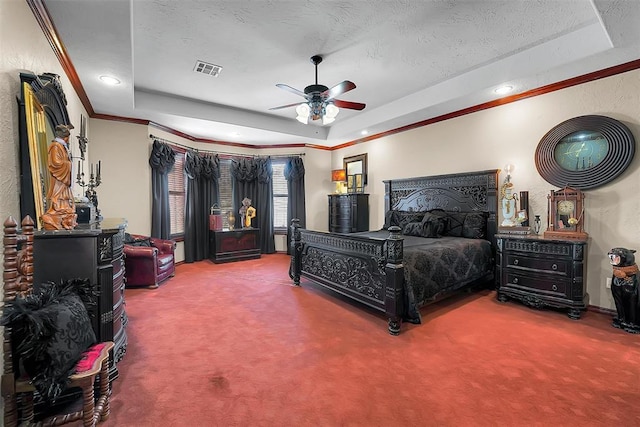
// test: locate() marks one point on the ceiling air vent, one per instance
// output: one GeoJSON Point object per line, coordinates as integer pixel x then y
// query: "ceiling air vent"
{"type": "Point", "coordinates": [208, 69]}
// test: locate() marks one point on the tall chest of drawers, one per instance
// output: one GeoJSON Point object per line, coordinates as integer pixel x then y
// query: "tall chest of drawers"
{"type": "Point", "coordinates": [93, 251]}
{"type": "Point", "coordinates": [348, 213]}
{"type": "Point", "coordinates": [542, 272]}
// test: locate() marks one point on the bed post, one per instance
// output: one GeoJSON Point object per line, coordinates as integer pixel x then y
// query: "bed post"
{"type": "Point", "coordinates": [394, 285]}
{"type": "Point", "coordinates": [296, 252]}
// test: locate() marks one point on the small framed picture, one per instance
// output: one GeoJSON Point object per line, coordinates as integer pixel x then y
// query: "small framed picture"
{"type": "Point", "coordinates": [359, 183]}
{"type": "Point", "coordinates": [351, 183]}
{"type": "Point", "coordinates": [521, 216]}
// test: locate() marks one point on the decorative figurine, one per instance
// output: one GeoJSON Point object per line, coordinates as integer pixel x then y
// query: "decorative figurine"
{"type": "Point", "coordinates": [62, 209]}
{"type": "Point", "coordinates": [624, 288]}
{"type": "Point", "coordinates": [508, 200]}
{"type": "Point", "coordinates": [247, 212]}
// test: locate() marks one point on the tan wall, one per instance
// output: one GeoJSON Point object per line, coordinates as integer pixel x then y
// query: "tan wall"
{"type": "Point", "coordinates": [125, 192]}
{"type": "Point", "coordinates": [24, 49]}
{"type": "Point", "coordinates": [510, 134]}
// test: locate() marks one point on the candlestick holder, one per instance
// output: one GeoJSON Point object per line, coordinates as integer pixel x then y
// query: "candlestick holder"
{"type": "Point", "coordinates": [90, 185]}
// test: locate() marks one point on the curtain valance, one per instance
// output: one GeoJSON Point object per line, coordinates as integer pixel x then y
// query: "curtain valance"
{"type": "Point", "coordinates": [162, 157]}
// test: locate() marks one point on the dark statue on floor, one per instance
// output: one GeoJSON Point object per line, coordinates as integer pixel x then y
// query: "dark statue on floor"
{"type": "Point", "coordinates": [624, 287]}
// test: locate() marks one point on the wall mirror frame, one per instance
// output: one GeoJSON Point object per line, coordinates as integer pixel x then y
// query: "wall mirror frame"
{"type": "Point", "coordinates": [355, 165]}
{"type": "Point", "coordinates": [585, 152]}
{"type": "Point", "coordinates": [43, 106]}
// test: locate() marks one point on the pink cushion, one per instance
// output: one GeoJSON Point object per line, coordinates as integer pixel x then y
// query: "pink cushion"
{"type": "Point", "coordinates": [89, 357]}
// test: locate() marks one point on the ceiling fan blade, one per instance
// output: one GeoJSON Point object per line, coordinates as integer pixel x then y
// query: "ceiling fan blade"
{"type": "Point", "coordinates": [292, 90]}
{"type": "Point", "coordinates": [286, 106]}
{"type": "Point", "coordinates": [338, 89]}
{"type": "Point", "coordinates": [348, 104]}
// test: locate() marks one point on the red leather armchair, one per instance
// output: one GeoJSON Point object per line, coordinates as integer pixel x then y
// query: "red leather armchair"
{"type": "Point", "coordinates": [148, 260]}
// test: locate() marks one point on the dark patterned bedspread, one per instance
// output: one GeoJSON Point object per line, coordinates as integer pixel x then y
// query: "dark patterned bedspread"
{"type": "Point", "coordinates": [436, 266]}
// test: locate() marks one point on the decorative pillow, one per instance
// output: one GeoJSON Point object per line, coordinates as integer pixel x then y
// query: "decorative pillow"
{"type": "Point", "coordinates": [401, 218]}
{"type": "Point", "coordinates": [413, 229]}
{"type": "Point", "coordinates": [51, 329]}
{"type": "Point", "coordinates": [475, 225]}
{"type": "Point", "coordinates": [456, 223]}
{"type": "Point", "coordinates": [433, 225]}
{"type": "Point", "coordinates": [136, 241]}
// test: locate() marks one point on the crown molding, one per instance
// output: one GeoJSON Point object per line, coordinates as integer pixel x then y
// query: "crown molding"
{"type": "Point", "coordinates": [42, 16]}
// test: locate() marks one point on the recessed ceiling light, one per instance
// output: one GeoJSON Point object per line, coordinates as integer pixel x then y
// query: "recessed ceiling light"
{"type": "Point", "coordinates": [110, 80]}
{"type": "Point", "coordinates": [234, 134]}
{"type": "Point", "coordinates": [364, 132]}
{"type": "Point", "coordinates": [503, 89]}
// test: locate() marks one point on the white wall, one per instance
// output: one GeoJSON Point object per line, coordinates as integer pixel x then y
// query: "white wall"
{"type": "Point", "coordinates": [510, 133]}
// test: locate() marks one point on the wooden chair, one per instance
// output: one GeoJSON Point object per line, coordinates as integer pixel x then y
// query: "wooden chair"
{"type": "Point", "coordinates": [17, 392]}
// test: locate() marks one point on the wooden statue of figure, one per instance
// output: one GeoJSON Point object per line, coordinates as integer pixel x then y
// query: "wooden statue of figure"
{"type": "Point", "coordinates": [62, 209]}
{"type": "Point", "coordinates": [624, 288]}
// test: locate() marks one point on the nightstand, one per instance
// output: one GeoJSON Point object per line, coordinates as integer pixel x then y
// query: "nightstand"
{"type": "Point", "coordinates": [542, 272]}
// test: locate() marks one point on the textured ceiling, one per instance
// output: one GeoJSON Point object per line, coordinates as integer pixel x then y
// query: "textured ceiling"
{"type": "Point", "coordinates": [410, 59]}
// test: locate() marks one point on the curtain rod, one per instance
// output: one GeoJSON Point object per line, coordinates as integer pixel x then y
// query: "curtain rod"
{"type": "Point", "coordinates": [220, 152]}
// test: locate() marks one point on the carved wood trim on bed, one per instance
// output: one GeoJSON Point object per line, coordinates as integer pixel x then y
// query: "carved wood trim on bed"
{"type": "Point", "coordinates": [462, 192]}
{"type": "Point", "coordinates": [370, 270]}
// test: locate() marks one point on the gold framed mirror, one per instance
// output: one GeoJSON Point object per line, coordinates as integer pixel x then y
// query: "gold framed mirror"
{"type": "Point", "coordinates": [43, 107]}
{"type": "Point", "coordinates": [39, 133]}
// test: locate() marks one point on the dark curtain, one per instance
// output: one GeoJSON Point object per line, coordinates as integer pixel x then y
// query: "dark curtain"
{"type": "Point", "coordinates": [294, 174]}
{"type": "Point", "coordinates": [252, 179]}
{"type": "Point", "coordinates": [202, 175]}
{"type": "Point", "coordinates": [161, 160]}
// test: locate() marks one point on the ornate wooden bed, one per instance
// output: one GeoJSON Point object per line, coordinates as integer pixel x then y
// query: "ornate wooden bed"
{"type": "Point", "coordinates": [372, 267]}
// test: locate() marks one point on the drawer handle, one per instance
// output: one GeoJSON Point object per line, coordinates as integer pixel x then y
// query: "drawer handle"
{"type": "Point", "coordinates": [554, 287]}
{"type": "Point", "coordinates": [554, 267]}
{"type": "Point", "coordinates": [515, 280]}
{"type": "Point", "coordinates": [515, 262]}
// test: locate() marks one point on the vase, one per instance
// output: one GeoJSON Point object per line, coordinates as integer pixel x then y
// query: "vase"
{"type": "Point", "coordinates": [232, 220]}
{"type": "Point", "coordinates": [536, 224]}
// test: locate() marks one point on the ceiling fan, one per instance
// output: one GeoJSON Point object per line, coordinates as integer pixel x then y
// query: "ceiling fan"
{"type": "Point", "coordinates": [321, 102]}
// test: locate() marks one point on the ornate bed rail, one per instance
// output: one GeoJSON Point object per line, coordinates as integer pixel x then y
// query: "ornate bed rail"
{"type": "Point", "coordinates": [366, 270]}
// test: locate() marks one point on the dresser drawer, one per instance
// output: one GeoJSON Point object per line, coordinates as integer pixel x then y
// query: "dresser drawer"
{"type": "Point", "coordinates": [544, 284]}
{"type": "Point", "coordinates": [559, 266]}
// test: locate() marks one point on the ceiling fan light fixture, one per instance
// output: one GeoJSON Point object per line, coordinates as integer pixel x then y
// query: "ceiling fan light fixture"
{"type": "Point", "coordinates": [303, 111]}
{"type": "Point", "coordinates": [331, 111]}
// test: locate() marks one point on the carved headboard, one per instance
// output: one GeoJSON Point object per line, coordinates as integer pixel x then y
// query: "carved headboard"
{"type": "Point", "coordinates": [460, 192]}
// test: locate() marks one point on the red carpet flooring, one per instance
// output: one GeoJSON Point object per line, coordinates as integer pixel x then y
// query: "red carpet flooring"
{"type": "Point", "coordinates": [238, 345]}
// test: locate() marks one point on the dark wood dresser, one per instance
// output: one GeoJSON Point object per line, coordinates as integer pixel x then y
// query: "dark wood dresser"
{"type": "Point", "coordinates": [93, 251]}
{"type": "Point", "coordinates": [234, 245]}
{"type": "Point", "coordinates": [542, 272]}
{"type": "Point", "coordinates": [348, 213]}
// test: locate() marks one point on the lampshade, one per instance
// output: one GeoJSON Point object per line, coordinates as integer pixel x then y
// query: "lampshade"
{"type": "Point", "coordinates": [339, 175]}
{"type": "Point", "coordinates": [315, 109]}
{"type": "Point", "coordinates": [303, 111]}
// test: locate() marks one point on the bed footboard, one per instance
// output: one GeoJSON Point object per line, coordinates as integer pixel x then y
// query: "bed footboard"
{"type": "Point", "coordinates": [366, 270]}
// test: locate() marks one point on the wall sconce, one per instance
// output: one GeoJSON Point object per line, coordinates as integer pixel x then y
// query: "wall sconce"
{"type": "Point", "coordinates": [339, 176]}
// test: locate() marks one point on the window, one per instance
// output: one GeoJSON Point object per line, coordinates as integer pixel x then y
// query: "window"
{"type": "Point", "coordinates": [226, 191]}
{"type": "Point", "coordinates": [280, 194]}
{"type": "Point", "coordinates": [177, 191]}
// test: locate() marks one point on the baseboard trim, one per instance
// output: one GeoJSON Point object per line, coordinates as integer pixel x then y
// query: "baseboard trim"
{"type": "Point", "coordinates": [601, 310]}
